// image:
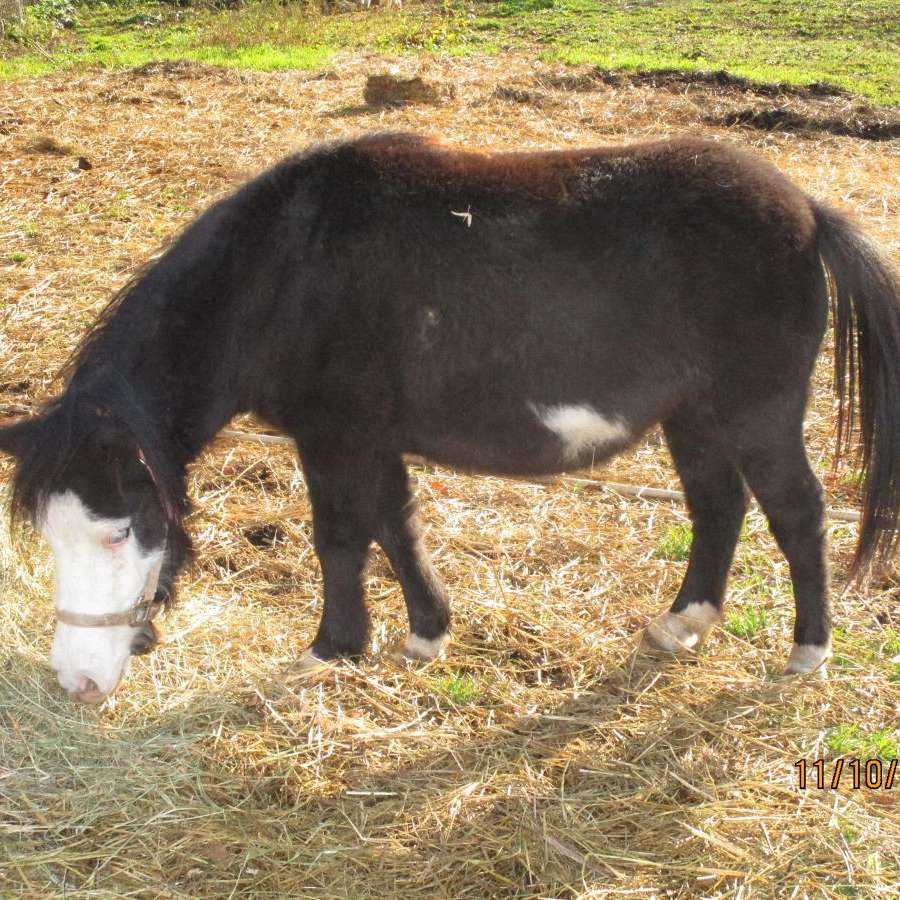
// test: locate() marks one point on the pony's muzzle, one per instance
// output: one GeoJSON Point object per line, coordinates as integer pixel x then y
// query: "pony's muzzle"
{"type": "Point", "coordinates": [87, 691]}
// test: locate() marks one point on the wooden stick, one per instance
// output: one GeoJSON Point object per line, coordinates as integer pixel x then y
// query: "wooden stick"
{"type": "Point", "coordinates": [249, 437]}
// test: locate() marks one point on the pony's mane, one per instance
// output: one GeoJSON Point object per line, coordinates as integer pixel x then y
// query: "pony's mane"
{"type": "Point", "coordinates": [106, 329]}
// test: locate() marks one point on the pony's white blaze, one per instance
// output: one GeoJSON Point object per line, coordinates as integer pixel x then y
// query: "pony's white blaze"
{"type": "Point", "coordinates": [580, 427]}
{"type": "Point", "coordinates": [92, 578]}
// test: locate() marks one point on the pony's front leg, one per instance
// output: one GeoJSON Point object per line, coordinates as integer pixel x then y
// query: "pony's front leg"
{"type": "Point", "coordinates": [344, 627]}
{"type": "Point", "coordinates": [357, 498]}
{"type": "Point", "coordinates": [343, 532]}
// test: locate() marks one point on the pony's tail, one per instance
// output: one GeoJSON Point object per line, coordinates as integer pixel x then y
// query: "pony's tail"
{"type": "Point", "coordinates": [865, 300]}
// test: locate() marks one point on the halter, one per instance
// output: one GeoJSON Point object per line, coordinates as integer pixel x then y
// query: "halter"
{"type": "Point", "coordinates": [141, 613]}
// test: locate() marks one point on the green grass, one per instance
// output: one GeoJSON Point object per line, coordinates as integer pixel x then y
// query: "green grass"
{"type": "Point", "coordinates": [105, 38]}
{"type": "Point", "coordinates": [852, 740]}
{"type": "Point", "coordinates": [795, 41]}
{"type": "Point", "coordinates": [746, 621]}
{"type": "Point", "coordinates": [853, 651]}
{"type": "Point", "coordinates": [458, 689]}
{"type": "Point", "coordinates": [676, 543]}
{"type": "Point", "coordinates": [890, 644]}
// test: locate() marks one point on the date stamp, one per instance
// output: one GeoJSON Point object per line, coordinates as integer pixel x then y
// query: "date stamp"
{"type": "Point", "coordinates": [860, 774]}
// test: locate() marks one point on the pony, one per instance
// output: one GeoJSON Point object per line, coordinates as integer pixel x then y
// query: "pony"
{"type": "Point", "coordinates": [519, 313]}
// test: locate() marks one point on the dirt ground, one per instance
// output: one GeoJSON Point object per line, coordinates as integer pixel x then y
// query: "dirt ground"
{"type": "Point", "coordinates": [542, 757]}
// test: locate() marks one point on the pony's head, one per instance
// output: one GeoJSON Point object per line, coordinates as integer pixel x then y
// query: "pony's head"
{"type": "Point", "coordinates": [93, 480]}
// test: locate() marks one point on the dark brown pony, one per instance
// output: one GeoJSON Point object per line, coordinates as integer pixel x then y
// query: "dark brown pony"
{"type": "Point", "coordinates": [506, 312]}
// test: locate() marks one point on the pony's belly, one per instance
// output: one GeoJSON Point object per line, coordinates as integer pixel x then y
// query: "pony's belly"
{"type": "Point", "coordinates": [530, 438]}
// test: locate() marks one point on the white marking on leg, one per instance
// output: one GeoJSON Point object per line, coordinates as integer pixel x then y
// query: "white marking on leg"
{"type": "Point", "coordinates": [682, 631]}
{"type": "Point", "coordinates": [806, 658]}
{"type": "Point", "coordinates": [424, 649]}
{"type": "Point", "coordinates": [580, 427]}
{"type": "Point", "coordinates": [100, 568]}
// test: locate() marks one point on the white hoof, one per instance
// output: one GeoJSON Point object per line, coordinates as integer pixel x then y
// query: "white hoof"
{"type": "Point", "coordinates": [424, 650]}
{"type": "Point", "coordinates": [681, 632]}
{"type": "Point", "coordinates": [310, 664]}
{"type": "Point", "coordinates": [807, 658]}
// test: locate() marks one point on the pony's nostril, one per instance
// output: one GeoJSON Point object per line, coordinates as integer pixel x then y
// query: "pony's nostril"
{"type": "Point", "coordinates": [88, 692]}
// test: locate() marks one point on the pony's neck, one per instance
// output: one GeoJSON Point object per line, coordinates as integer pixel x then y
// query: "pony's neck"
{"type": "Point", "coordinates": [171, 337]}
{"type": "Point", "coordinates": [188, 333]}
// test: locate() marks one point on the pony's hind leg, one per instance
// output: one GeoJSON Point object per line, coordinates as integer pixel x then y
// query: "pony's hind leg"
{"type": "Point", "coordinates": [717, 502]}
{"type": "Point", "coordinates": [777, 470]}
{"type": "Point", "coordinates": [399, 535]}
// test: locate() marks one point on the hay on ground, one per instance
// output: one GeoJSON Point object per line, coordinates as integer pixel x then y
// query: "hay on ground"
{"type": "Point", "coordinates": [542, 757]}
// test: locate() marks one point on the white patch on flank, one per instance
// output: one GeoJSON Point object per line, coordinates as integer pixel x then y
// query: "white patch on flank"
{"type": "Point", "coordinates": [579, 427]}
{"type": "Point", "coordinates": [685, 630]}
{"type": "Point", "coordinates": [806, 658]}
{"type": "Point", "coordinates": [421, 648]}
{"type": "Point", "coordinates": [94, 578]}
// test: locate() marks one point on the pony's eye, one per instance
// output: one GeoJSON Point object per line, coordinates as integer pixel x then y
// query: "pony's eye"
{"type": "Point", "coordinates": [117, 537]}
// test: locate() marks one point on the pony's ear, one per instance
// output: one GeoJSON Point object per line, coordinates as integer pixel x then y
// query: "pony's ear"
{"type": "Point", "coordinates": [14, 438]}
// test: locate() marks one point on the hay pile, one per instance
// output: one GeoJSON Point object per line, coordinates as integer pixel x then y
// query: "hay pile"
{"type": "Point", "coordinates": [389, 90]}
{"type": "Point", "coordinates": [542, 757]}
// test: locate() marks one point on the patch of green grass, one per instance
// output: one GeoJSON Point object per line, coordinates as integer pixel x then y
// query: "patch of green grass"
{"type": "Point", "coordinates": [262, 58]}
{"type": "Point", "coordinates": [746, 621]}
{"type": "Point", "coordinates": [851, 479]}
{"type": "Point", "coordinates": [793, 41]}
{"type": "Point", "coordinates": [116, 37]}
{"type": "Point", "coordinates": [459, 689]}
{"type": "Point", "coordinates": [18, 257]}
{"type": "Point", "coordinates": [890, 643]}
{"type": "Point", "coordinates": [847, 651]}
{"type": "Point", "coordinates": [752, 583]}
{"type": "Point", "coordinates": [879, 649]}
{"type": "Point", "coordinates": [751, 561]}
{"type": "Point", "coordinates": [851, 740]}
{"type": "Point", "coordinates": [764, 40]}
{"type": "Point", "coordinates": [676, 543]}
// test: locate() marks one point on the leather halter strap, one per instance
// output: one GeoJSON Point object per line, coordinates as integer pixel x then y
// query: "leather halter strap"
{"type": "Point", "coordinates": [142, 612]}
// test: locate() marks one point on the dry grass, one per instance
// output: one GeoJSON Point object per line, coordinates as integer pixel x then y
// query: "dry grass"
{"type": "Point", "coordinates": [542, 757]}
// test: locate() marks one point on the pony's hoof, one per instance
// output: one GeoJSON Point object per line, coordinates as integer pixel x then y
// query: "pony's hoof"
{"type": "Point", "coordinates": [807, 659]}
{"type": "Point", "coordinates": [682, 632]}
{"type": "Point", "coordinates": [421, 649]}
{"type": "Point", "coordinates": [310, 664]}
